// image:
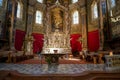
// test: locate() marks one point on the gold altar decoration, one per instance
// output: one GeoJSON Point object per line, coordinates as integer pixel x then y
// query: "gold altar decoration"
{"type": "Point", "coordinates": [57, 19]}
{"type": "Point", "coordinates": [57, 36]}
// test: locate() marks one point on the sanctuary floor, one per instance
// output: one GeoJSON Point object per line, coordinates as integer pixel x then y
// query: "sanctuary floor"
{"type": "Point", "coordinates": [38, 66]}
{"type": "Point", "coordinates": [37, 69]}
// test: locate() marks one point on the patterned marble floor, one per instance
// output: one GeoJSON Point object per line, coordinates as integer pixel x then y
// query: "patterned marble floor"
{"type": "Point", "coordinates": [52, 69]}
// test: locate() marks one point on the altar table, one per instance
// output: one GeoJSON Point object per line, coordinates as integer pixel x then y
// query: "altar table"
{"type": "Point", "coordinates": [53, 58]}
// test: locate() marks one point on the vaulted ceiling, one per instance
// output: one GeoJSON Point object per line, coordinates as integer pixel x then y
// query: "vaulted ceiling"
{"type": "Point", "coordinates": [33, 2]}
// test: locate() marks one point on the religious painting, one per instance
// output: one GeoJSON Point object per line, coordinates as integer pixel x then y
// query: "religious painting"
{"type": "Point", "coordinates": [57, 16]}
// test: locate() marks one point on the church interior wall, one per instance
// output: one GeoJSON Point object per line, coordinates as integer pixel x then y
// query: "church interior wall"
{"type": "Point", "coordinates": [2, 11]}
{"type": "Point", "coordinates": [31, 39]}
{"type": "Point", "coordinates": [2, 18]}
{"type": "Point", "coordinates": [39, 28]}
{"type": "Point", "coordinates": [114, 26]}
{"type": "Point", "coordinates": [92, 36]}
{"type": "Point", "coordinates": [5, 21]}
{"type": "Point", "coordinates": [93, 24]}
{"type": "Point", "coordinates": [93, 28]}
{"type": "Point", "coordinates": [76, 29]}
{"type": "Point", "coordinates": [20, 27]}
{"type": "Point", "coordinates": [34, 28]}
{"type": "Point", "coordinates": [20, 22]}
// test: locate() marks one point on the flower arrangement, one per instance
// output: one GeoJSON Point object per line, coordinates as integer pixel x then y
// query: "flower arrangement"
{"type": "Point", "coordinates": [48, 59]}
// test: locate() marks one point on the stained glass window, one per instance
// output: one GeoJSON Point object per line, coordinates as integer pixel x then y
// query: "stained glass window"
{"type": "Point", "coordinates": [75, 17]}
{"type": "Point", "coordinates": [38, 17]}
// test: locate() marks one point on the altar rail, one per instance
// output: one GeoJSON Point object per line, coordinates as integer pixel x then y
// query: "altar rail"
{"type": "Point", "coordinates": [13, 75]}
{"type": "Point", "coordinates": [112, 62]}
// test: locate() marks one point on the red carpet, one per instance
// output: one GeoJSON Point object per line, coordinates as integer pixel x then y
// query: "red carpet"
{"type": "Point", "coordinates": [61, 61]}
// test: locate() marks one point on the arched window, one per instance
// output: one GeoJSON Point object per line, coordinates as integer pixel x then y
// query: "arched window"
{"type": "Point", "coordinates": [19, 10]}
{"type": "Point", "coordinates": [38, 17]}
{"type": "Point", "coordinates": [40, 1]}
{"type": "Point", "coordinates": [1, 2]}
{"type": "Point", "coordinates": [75, 17]}
{"type": "Point", "coordinates": [103, 4]}
{"type": "Point", "coordinates": [112, 3]}
{"type": "Point", "coordinates": [74, 1]}
{"type": "Point", "coordinates": [94, 11]}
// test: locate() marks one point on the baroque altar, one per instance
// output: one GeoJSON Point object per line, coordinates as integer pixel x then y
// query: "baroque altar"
{"type": "Point", "coordinates": [56, 45]}
{"type": "Point", "coordinates": [57, 36]}
{"type": "Point", "coordinates": [56, 41]}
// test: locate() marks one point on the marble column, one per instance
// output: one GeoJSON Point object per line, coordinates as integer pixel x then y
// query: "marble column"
{"type": "Point", "coordinates": [84, 31]}
{"type": "Point", "coordinates": [101, 39]}
{"type": "Point", "coordinates": [11, 35]}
